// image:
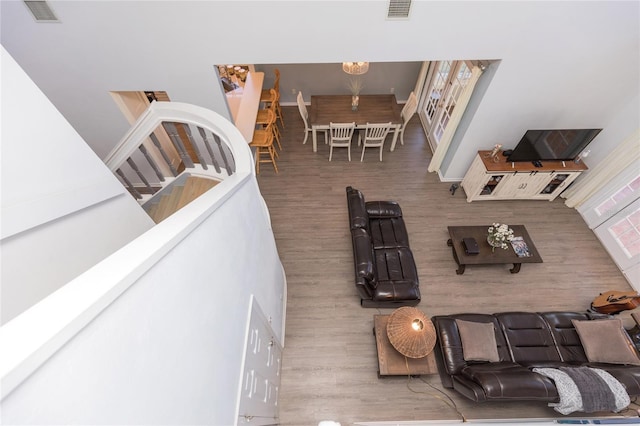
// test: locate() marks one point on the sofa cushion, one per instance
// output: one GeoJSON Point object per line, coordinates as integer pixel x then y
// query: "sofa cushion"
{"type": "Point", "coordinates": [396, 290]}
{"type": "Point", "coordinates": [388, 233]}
{"type": "Point", "coordinates": [478, 341]}
{"type": "Point", "coordinates": [529, 337]}
{"type": "Point", "coordinates": [358, 217]}
{"type": "Point", "coordinates": [566, 336]}
{"type": "Point", "coordinates": [395, 264]}
{"type": "Point", "coordinates": [606, 341]}
{"type": "Point", "coordinates": [506, 380]}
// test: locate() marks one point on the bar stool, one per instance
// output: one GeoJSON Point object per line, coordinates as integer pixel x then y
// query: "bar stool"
{"type": "Point", "coordinates": [268, 98]}
{"type": "Point", "coordinates": [263, 143]}
{"type": "Point", "coordinates": [262, 119]}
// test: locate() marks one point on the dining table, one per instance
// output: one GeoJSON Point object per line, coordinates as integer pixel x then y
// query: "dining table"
{"type": "Point", "coordinates": [326, 109]}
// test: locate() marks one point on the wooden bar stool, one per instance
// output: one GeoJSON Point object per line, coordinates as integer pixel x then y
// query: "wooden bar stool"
{"type": "Point", "coordinates": [262, 119]}
{"type": "Point", "coordinates": [263, 143]}
{"type": "Point", "coordinates": [268, 98]}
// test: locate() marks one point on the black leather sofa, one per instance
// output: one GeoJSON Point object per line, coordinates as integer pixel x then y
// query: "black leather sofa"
{"type": "Point", "coordinates": [524, 340]}
{"type": "Point", "coordinates": [385, 271]}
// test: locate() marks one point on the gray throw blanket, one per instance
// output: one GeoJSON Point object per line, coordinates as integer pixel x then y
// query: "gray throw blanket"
{"type": "Point", "coordinates": [596, 394]}
{"type": "Point", "coordinates": [586, 389]}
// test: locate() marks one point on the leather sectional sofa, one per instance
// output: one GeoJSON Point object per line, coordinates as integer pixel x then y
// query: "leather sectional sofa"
{"type": "Point", "coordinates": [385, 271]}
{"type": "Point", "coordinates": [524, 341]}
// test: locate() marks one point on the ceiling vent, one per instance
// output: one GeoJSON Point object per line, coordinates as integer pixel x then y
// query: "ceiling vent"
{"type": "Point", "coordinates": [399, 9]}
{"type": "Point", "coordinates": [41, 11]}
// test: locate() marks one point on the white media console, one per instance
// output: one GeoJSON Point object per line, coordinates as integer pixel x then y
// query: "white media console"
{"type": "Point", "coordinates": [503, 180]}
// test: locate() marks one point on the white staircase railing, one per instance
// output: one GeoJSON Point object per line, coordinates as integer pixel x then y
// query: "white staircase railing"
{"type": "Point", "coordinates": [170, 137]}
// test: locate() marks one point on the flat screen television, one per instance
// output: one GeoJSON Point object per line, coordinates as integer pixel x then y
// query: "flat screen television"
{"type": "Point", "coordinates": [548, 145]}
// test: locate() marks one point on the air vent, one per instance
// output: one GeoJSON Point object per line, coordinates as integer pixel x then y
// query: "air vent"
{"type": "Point", "coordinates": [41, 11]}
{"type": "Point", "coordinates": [399, 9]}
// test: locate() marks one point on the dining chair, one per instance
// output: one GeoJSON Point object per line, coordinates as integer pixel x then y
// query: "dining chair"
{"type": "Point", "coordinates": [263, 143]}
{"type": "Point", "coordinates": [340, 135]}
{"type": "Point", "coordinates": [262, 119]}
{"type": "Point", "coordinates": [374, 137]}
{"type": "Point", "coordinates": [410, 108]}
{"type": "Point", "coordinates": [305, 118]}
{"type": "Point", "coordinates": [268, 98]}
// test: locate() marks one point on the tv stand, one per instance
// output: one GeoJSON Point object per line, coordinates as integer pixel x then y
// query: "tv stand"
{"type": "Point", "coordinates": [537, 163]}
{"type": "Point", "coordinates": [506, 180]}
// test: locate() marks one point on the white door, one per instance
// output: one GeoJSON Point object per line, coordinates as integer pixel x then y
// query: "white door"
{"type": "Point", "coordinates": [626, 189]}
{"type": "Point", "coordinates": [620, 234]}
{"type": "Point", "coordinates": [443, 94]}
{"type": "Point", "coordinates": [614, 215]}
{"type": "Point", "coordinates": [258, 404]}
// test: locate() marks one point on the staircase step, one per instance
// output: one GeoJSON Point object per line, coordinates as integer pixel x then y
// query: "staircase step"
{"type": "Point", "coordinates": [193, 188]}
{"type": "Point", "coordinates": [168, 203]}
{"type": "Point", "coordinates": [152, 210]}
{"type": "Point", "coordinates": [179, 197]}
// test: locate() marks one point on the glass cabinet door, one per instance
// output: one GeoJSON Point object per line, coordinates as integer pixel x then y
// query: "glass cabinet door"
{"type": "Point", "coordinates": [558, 181]}
{"type": "Point", "coordinates": [491, 184]}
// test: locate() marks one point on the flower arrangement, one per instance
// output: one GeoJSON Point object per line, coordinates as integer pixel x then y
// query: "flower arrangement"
{"type": "Point", "coordinates": [499, 235]}
{"type": "Point", "coordinates": [355, 85]}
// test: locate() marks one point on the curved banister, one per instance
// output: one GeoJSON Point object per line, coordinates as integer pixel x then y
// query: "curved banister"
{"type": "Point", "coordinates": [159, 112]}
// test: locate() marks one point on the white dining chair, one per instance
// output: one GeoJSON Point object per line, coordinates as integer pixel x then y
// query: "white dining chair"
{"type": "Point", "coordinates": [410, 108]}
{"type": "Point", "coordinates": [305, 118]}
{"type": "Point", "coordinates": [340, 135]}
{"type": "Point", "coordinates": [374, 137]}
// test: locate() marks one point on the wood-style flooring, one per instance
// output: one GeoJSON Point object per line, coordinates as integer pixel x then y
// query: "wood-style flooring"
{"type": "Point", "coordinates": [329, 368]}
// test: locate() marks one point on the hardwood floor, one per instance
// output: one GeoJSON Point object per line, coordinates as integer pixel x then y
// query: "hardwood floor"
{"type": "Point", "coordinates": [329, 369]}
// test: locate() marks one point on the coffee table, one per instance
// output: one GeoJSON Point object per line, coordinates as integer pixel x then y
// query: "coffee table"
{"type": "Point", "coordinates": [393, 363]}
{"type": "Point", "coordinates": [486, 256]}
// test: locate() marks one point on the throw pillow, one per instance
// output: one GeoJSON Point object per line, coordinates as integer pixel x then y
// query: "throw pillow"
{"type": "Point", "coordinates": [606, 341]}
{"type": "Point", "coordinates": [478, 341]}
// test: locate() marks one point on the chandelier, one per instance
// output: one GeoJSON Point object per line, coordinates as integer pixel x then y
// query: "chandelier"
{"type": "Point", "coordinates": [355, 68]}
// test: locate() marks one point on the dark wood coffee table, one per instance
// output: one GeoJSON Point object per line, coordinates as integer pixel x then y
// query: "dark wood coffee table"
{"type": "Point", "coordinates": [486, 256]}
{"type": "Point", "coordinates": [393, 363]}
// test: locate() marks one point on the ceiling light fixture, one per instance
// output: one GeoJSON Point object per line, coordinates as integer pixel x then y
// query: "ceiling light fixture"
{"type": "Point", "coordinates": [355, 68]}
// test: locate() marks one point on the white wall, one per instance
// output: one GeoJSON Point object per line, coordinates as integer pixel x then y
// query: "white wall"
{"type": "Point", "coordinates": [564, 64]}
{"type": "Point", "coordinates": [155, 332]}
{"type": "Point", "coordinates": [574, 65]}
{"type": "Point", "coordinates": [62, 209]}
{"type": "Point", "coordinates": [169, 349]}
